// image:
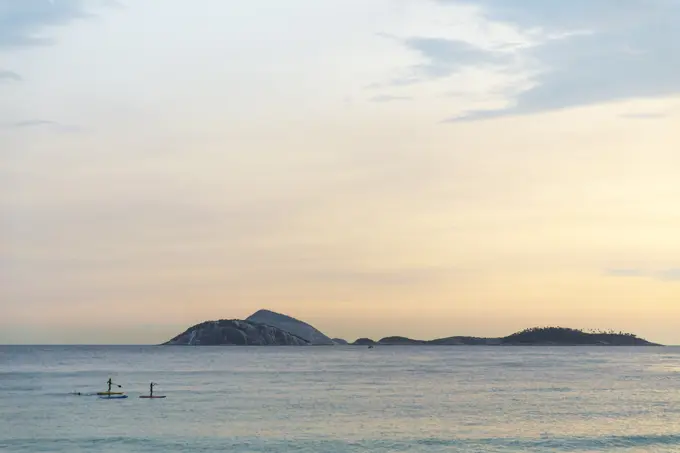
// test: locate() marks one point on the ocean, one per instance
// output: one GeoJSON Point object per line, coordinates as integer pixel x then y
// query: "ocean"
{"type": "Point", "coordinates": [341, 399]}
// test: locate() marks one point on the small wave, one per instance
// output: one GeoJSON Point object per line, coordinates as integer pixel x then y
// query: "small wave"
{"type": "Point", "coordinates": [563, 444]}
{"type": "Point", "coordinates": [20, 388]}
{"type": "Point", "coordinates": [259, 444]}
{"type": "Point", "coordinates": [550, 389]}
{"type": "Point", "coordinates": [599, 443]}
{"type": "Point", "coordinates": [528, 390]}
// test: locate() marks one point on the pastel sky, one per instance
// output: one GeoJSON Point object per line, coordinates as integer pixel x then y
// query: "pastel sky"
{"type": "Point", "coordinates": [374, 167]}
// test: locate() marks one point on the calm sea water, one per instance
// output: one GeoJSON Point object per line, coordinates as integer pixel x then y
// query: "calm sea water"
{"type": "Point", "coordinates": [341, 399]}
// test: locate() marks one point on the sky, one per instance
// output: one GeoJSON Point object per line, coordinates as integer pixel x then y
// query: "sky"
{"type": "Point", "coordinates": [424, 168]}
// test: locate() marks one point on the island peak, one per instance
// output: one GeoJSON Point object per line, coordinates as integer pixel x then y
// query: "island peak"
{"type": "Point", "coordinates": [235, 332]}
{"type": "Point", "coordinates": [290, 324]}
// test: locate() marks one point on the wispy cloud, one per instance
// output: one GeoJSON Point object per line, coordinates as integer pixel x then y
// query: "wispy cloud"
{"type": "Point", "coordinates": [23, 23]}
{"type": "Point", "coordinates": [629, 52]}
{"type": "Point", "coordinates": [383, 277]}
{"type": "Point", "coordinates": [484, 58]}
{"type": "Point", "coordinates": [643, 116]}
{"type": "Point", "coordinates": [26, 23]}
{"type": "Point", "coordinates": [443, 57]}
{"type": "Point", "coordinates": [33, 123]}
{"type": "Point", "coordinates": [38, 123]}
{"type": "Point", "coordinates": [669, 274]}
{"type": "Point", "coordinates": [554, 55]}
{"type": "Point", "coordinates": [626, 272]}
{"type": "Point", "coordinates": [9, 76]}
{"type": "Point", "coordinates": [672, 274]}
{"type": "Point", "coordinates": [389, 98]}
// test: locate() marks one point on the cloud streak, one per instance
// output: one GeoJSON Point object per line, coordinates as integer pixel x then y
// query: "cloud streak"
{"type": "Point", "coordinates": [389, 98]}
{"type": "Point", "coordinates": [625, 272]}
{"type": "Point", "coordinates": [481, 57]}
{"type": "Point", "coordinates": [672, 274]}
{"type": "Point", "coordinates": [581, 54]}
{"type": "Point", "coordinates": [10, 76]}
{"type": "Point", "coordinates": [33, 123]}
{"type": "Point", "coordinates": [414, 276]}
{"type": "Point", "coordinates": [669, 274]}
{"type": "Point", "coordinates": [25, 24]}
{"type": "Point", "coordinates": [38, 124]}
{"type": "Point", "coordinates": [443, 57]}
{"type": "Point", "coordinates": [643, 116]}
{"type": "Point", "coordinates": [22, 23]}
{"type": "Point", "coordinates": [621, 59]}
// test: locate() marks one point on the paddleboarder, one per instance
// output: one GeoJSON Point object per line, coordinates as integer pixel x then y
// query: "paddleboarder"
{"type": "Point", "coordinates": [151, 395]}
{"type": "Point", "coordinates": [110, 383]}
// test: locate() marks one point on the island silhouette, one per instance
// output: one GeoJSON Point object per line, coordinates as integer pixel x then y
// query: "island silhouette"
{"type": "Point", "coordinates": [268, 328]}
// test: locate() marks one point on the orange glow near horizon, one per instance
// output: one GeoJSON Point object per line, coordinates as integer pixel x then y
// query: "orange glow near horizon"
{"type": "Point", "coordinates": [325, 176]}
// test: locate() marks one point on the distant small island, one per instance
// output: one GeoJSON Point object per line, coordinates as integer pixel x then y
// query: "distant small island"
{"type": "Point", "coordinates": [535, 336]}
{"type": "Point", "coordinates": [566, 336]}
{"type": "Point", "coordinates": [268, 328]}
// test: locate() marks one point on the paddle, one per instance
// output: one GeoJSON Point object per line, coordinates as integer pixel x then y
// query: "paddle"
{"type": "Point", "coordinates": [151, 395]}
{"type": "Point", "coordinates": [110, 384]}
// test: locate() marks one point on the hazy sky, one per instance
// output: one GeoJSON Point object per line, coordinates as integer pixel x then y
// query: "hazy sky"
{"type": "Point", "coordinates": [375, 167]}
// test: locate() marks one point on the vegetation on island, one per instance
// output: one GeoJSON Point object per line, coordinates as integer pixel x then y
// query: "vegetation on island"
{"type": "Point", "coordinates": [364, 342]}
{"type": "Point", "coordinates": [532, 336]}
{"type": "Point", "coordinates": [400, 340]}
{"type": "Point", "coordinates": [565, 335]}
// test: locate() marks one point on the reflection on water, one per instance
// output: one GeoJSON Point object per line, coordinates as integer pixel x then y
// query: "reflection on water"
{"type": "Point", "coordinates": [397, 398]}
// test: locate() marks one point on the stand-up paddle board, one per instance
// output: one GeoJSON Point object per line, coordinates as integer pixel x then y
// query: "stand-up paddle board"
{"type": "Point", "coordinates": [109, 393]}
{"type": "Point", "coordinates": [152, 396]}
{"type": "Point", "coordinates": [113, 397]}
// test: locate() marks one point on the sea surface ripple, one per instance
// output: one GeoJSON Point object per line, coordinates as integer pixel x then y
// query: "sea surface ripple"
{"type": "Point", "coordinates": [341, 399]}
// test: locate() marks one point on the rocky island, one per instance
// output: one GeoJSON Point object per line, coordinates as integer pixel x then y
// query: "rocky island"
{"type": "Point", "coordinates": [236, 332]}
{"type": "Point", "coordinates": [268, 328]}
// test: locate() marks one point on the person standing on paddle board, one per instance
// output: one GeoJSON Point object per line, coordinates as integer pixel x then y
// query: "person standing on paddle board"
{"type": "Point", "coordinates": [151, 395]}
{"type": "Point", "coordinates": [110, 383]}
